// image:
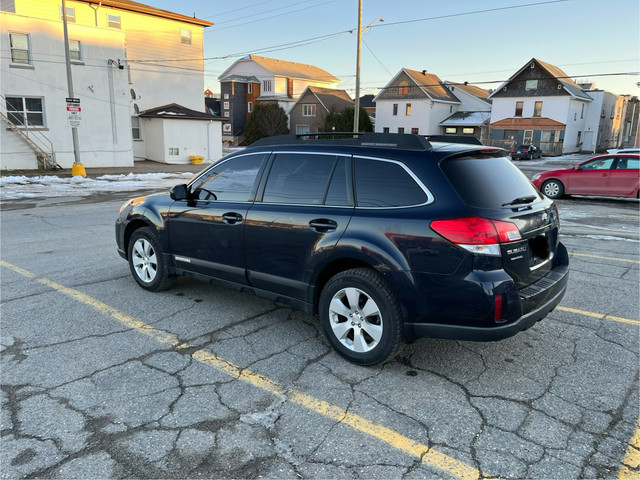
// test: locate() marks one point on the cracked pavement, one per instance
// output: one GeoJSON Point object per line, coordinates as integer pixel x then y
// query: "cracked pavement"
{"type": "Point", "coordinates": [87, 396]}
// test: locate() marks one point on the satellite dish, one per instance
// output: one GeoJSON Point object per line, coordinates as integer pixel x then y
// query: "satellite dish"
{"type": "Point", "coordinates": [133, 94]}
{"type": "Point", "coordinates": [136, 109]}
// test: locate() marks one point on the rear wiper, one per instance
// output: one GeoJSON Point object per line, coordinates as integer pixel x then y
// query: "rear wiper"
{"type": "Point", "coordinates": [520, 200]}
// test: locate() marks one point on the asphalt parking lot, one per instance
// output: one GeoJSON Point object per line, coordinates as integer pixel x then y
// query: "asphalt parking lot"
{"type": "Point", "coordinates": [103, 379]}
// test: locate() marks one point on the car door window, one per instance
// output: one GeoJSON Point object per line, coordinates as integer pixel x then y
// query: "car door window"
{"type": "Point", "coordinates": [307, 179]}
{"type": "Point", "coordinates": [228, 181]}
{"type": "Point", "coordinates": [628, 163]}
{"type": "Point", "coordinates": [604, 163]}
{"type": "Point", "coordinates": [385, 184]}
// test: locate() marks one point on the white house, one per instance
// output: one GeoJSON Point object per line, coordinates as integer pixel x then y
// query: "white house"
{"type": "Point", "coordinates": [541, 104]}
{"type": "Point", "coordinates": [419, 102]}
{"type": "Point", "coordinates": [605, 121]}
{"type": "Point", "coordinates": [254, 79]}
{"type": "Point", "coordinates": [120, 52]}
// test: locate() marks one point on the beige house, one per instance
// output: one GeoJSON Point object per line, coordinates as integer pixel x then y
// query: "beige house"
{"type": "Point", "coordinates": [118, 51]}
{"type": "Point", "coordinates": [309, 112]}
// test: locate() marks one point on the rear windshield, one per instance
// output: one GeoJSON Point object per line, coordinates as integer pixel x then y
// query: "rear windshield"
{"type": "Point", "coordinates": [487, 182]}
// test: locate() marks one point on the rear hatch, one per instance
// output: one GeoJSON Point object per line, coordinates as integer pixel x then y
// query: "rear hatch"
{"type": "Point", "coordinates": [495, 189]}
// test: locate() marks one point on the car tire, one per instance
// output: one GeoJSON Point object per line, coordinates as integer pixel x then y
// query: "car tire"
{"type": "Point", "coordinates": [146, 261]}
{"type": "Point", "coordinates": [361, 317]}
{"type": "Point", "coordinates": [553, 188]}
{"type": "Point", "coordinates": [531, 156]}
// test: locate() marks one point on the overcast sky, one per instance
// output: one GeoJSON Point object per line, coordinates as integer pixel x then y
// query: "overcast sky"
{"type": "Point", "coordinates": [458, 40]}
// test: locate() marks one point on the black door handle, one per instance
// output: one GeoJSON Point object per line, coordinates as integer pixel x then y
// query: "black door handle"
{"type": "Point", "coordinates": [322, 225]}
{"type": "Point", "coordinates": [231, 218]}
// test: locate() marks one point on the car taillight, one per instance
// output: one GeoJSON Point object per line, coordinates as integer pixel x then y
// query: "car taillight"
{"type": "Point", "coordinates": [477, 234]}
{"type": "Point", "coordinates": [497, 311]}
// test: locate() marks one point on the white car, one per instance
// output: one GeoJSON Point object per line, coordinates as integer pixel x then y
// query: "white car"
{"type": "Point", "coordinates": [624, 150]}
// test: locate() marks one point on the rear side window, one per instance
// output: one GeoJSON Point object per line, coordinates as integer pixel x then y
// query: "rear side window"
{"type": "Point", "coordinates": [385, 184]}
{"type": "Point", "coordinates": [487, 182]}
{"type": "Point", "coordinates": [305, 179]}
{"type": "Point", "coordinates": [629, 163]}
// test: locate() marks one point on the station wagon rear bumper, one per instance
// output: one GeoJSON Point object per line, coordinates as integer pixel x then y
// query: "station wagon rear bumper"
{"type": "Point", "coordinates": [536, 301]}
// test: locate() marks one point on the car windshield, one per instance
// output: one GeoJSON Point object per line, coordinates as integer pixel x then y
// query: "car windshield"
{"type": "Point", "coordinates": [488, 182]}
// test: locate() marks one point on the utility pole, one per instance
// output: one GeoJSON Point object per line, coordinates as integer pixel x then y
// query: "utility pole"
{"type": "Point", "coordinates": [356, 113]}
{"type": "Point", "coordinates": [78, 167]}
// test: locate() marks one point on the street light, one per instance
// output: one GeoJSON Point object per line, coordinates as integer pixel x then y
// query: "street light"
{"type": "Point", "coordinates": [356, 113]}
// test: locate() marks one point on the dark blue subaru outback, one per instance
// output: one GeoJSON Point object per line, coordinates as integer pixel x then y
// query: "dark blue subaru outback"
{"type": "Point", "coordinates": [387, 238]}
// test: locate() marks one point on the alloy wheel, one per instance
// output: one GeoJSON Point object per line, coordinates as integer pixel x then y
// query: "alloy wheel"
{"type": "Point", "coordinates": [145, 262]}
{"type": "Point", "coordinates": [355, 320]}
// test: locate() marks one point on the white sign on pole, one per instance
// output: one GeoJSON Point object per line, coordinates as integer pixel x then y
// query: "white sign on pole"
{"type": "Point", "coordinates": [73, 112]}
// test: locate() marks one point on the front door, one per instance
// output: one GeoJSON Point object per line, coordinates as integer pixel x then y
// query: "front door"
{"type": "Point", "coordinates": [207, 232]}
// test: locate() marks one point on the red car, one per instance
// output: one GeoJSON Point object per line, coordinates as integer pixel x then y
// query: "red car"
{"type": "Point", "coordinates": [608, 175]}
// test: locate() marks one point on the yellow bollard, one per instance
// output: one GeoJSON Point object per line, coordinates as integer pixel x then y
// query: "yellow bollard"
{"type": "Point", "coordinates": [78, 170]}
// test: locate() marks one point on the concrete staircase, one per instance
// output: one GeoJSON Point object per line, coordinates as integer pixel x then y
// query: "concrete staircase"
{"type": "Point", "coordinates": [37, 142]}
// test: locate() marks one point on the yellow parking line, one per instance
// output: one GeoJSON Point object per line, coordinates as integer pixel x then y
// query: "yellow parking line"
{"type": "Point", "coordinates": [599, 315]}
{"type": "Point", "coordinates": [398, 441]}
{"type": "Point", "coordinates": [630, 468]}
{"type": "Point", "coordinates": [604, 258]}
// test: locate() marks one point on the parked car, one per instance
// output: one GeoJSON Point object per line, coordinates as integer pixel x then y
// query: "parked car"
{"type": "Point", "coordinates": [624, 150]}
{"type": "Point", "coordinates": [526, 152]}
{"type": "Point", "coordinates": [606, 175]}
{"type": "Point", "coordinates": [386, 238]}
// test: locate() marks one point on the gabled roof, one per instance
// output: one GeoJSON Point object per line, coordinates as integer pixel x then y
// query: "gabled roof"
{"type": "Point", "coordinates": [324, 95]}
{"type": "Point", "coordinates": [178, 112]}
{"type": "Point", "coordinates": [571, 87]}
{"type": "Point", "coordinates": [431, 85]}
{"type": "Point", "coordinates": [148, 10]}
{"type": "Point", "coordinates": [466, 119]}
{"type": "Point", "coordinates": [477, 92]}
{"type": "Point", "coordinates": [283, 68]}
{"type": "Point", "coordinates": [428, 83]}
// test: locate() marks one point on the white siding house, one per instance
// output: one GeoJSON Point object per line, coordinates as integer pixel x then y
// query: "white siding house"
{"type": "Point", "coordinates": [419, 102]}
{"type": "Point", "coordinates": [115, 47]}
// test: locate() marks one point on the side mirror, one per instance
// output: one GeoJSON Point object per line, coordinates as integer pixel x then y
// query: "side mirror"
{"type": "Point", "coordinates": [179, 192]}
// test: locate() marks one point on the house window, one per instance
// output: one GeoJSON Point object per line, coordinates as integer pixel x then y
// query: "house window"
{"type": "Point", "coordinates": [407, 110]}
{"type": "Point", "coordinates": [415, 131]}
{"type": "Point", "coordinates": [395, 109]}
{"type": "Point", "coordinates": [467, 131]}
{"type": "Point", "coordinates": [385, 130]}
{"type": "Point", "coordinates": [173, 151]}
{"type": "Point", "coordinates": [403, 89]}
{"type": "Point", "coordinates": [26, 112]}
{"type": "Point", "coordinates": [400, 130]}
{"type": "Point", "coordinates": [249, 87]}
{"type": "Point", "coordinates": [266, 85]}
{"type": "Point", "coordinates": [113, 21]}
{"type": "Point", "coordinates": [75, 51]}
{"type": "Point", "coordinates": [451, 130]}
{"type": "Point", "coordinates": [302, 129]}
{"type": "Point", "coordinates": [226, 114]}
{"type": "Point", "coordinates": [226, 128]}
{"type": "Point", "coordinates": [531, 85]}
{"type": "Point", "coordinates": [578, 139]}
{"type": "Point", "coordinates": [537, 109]}
{"type": "Point", "coordinates": [135, 128]}
{"type": "Point", "coordinates": [225, 105]}
{"type": "Point", "coordinates": [226, 96]}
{"type": "Point", "coordinates": [20, 48]}
{"type": "Point", "coordinates": [249, 107]}
{"type": "Point", "coordinates": [575, 116]}
{"type": "Point", "coordinates": [71, 14]}
{"type": "Point", "coordinates": [582, 112]}
{"type": "Point", "coordinates": [519, 107]}
{"type": "Point", "coordinates": [185, 36]}
{"type": "Point", "coordinates": [308, 110]}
